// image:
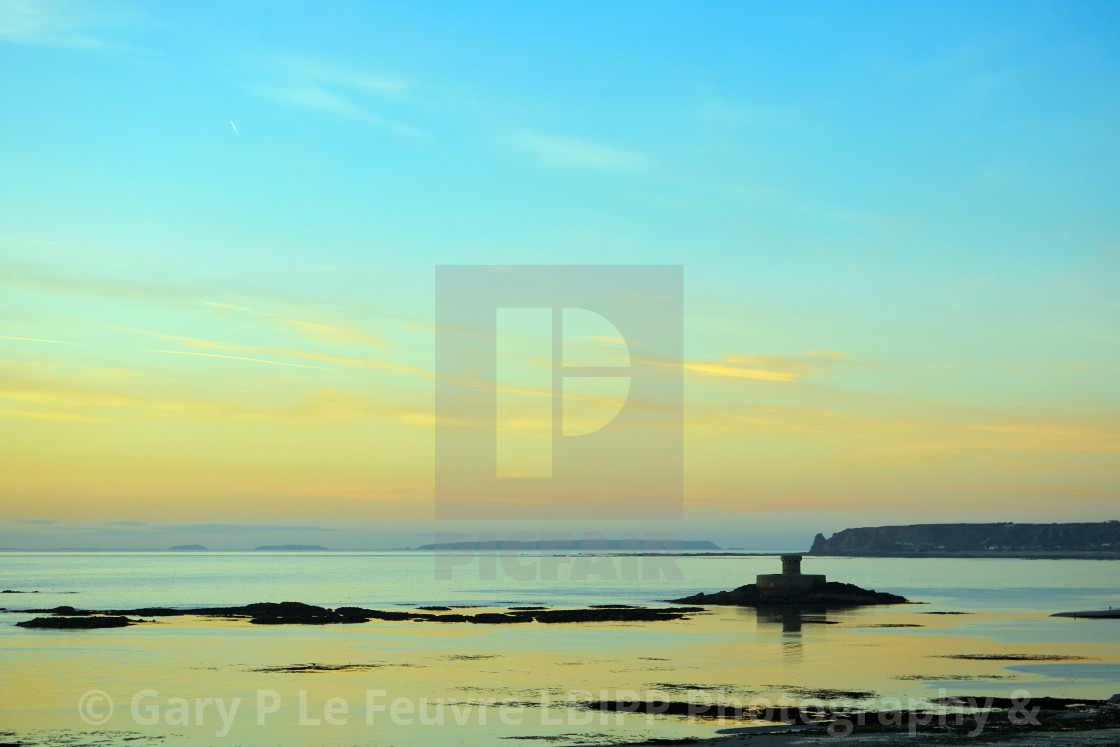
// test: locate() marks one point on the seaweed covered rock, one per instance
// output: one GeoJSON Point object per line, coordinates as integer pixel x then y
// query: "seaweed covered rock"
{"type": "Point", "coordinates": [78, 623]}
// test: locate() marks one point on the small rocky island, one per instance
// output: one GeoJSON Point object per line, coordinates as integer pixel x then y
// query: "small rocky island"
{"type": "Point", "coordinates": [793, 588]}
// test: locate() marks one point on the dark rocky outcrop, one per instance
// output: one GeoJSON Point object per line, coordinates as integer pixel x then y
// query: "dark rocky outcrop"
{"type": "Point", "coordinates": [1004, 720]}
{"type": "Point", "coordinates": [615, 614]}
{"type": "Point", "coordinates": [288, 613]}
{"type": "Point", "coordinates": [819, 544]}
{"type": "Point", "coordinates": [1100, 614]}
{"type": "Point", "coordinates": [830, 594]}
{"type": "Point", "coordinates": [77, 623]}
{"type": "Point", "coordinates": [298, 613]}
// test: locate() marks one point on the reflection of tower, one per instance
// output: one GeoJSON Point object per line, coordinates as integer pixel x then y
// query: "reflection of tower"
{"type": "Point", "coordinates": [789, 618]}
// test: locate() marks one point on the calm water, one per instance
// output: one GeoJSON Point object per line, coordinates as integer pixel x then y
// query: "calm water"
{"type": "Point", "coordinates": [391, 578]}
{"type": "Point", "coordinates": [728, 654]}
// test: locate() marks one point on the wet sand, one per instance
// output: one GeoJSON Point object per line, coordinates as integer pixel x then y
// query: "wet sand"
{"type": "Point", "coordinates": [541, 674]}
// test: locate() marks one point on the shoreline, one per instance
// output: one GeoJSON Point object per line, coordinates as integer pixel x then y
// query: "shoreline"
{"type": "Point", "coordinates": [801, 737]}
{"type": "Point", "coordinates": [963, 554]}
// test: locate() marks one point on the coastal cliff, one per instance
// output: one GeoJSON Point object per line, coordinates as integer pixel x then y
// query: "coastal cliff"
{"type": "Point", "coordinates": [1001, 538]}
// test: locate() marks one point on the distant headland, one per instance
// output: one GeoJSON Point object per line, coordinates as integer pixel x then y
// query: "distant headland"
{"type": "Point", "coordinates": [290, 548]}
{"type": "Point", "coordinates": [1004, 539]}
{"type": "Point", "coordinates": [577, 545]}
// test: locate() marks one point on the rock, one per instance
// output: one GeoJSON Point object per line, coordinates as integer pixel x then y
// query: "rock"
{"type": "Point", "coordinates": [830, 594]}
{"type": "Point", "coordinates": [1045, 703]}
{"type": "Point", "coordinates": [64, 610]}
{"type": "Point", "coordinates": [818, 544]}
{"type": "Point", "coordinates": [288, 613]}
{"type": "Point", "coordinates": [499, 617]}
{"type": "Point", "coordinates": [618, 614]}
{"type": "Point", "coordinates": [1100, 614]}
{"type": "Point", "coordinates": [77, 623]}
{"type": "Point", "coordinates": [298, 613]}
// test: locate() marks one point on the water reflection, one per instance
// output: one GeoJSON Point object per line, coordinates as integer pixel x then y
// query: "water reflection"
{"type": "Point", "coordinates": [792, 618]}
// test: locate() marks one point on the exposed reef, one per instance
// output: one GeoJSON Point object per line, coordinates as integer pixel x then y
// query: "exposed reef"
{"type": "Point", "coordinates": [298, 613]}
{"type": "Point", "coordinates": [1108, 613]}
{"type": "Point", "coordinates": [78, 622]}
{"type": "Point", "coordinates": [975, 719]}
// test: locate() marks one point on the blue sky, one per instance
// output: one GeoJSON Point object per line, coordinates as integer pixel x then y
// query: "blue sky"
{"type": "Point", "coordinates": [928, 189]}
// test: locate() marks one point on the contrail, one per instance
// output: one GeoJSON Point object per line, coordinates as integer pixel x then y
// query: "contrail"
{"type": "Point", "coordinates": [39, 339]}
{"type": "Point", "coordinates": [236, 358]}
{"type": "Point", "coordinates": [235, 132]}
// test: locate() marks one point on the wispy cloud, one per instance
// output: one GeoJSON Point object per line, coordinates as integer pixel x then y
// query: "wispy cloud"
{"type": "Point", "coordinates": [39, 392]}
{"type": "Point", "coordinates": [559, 151]}
{"type": "Point", "coordinates": [735, 369]}
{"type": "Point", "coordinates": [333, 88]}
{"type": "Point", "coordinates": [60, 269]}
{"type": "Point", "coordinates": [322, 330]}
{"type": "Point", "coordinates": [314, 97]}
{"type": "Point", "coordinates": [58, 23]}
{"type": "Point", "coordinates": [71, 417]}
{"type": "Point", "coordinates": [336, 74]}
{"type": "Point", "coordinates": [281, 352]}
{"type": "Point", "coordinates": [194, 342]}
{"type": "Point", "coordinates": [778, 368]}
{"type": "Point", "coordinates": [42, 393]}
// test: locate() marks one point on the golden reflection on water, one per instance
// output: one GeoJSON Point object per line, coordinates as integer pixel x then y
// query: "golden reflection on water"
{"type": "Point", "coordinates": [732, 655]}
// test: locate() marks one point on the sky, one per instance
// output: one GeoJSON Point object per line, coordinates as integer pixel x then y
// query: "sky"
{"type": "Point", "coordinates": [219, 224]}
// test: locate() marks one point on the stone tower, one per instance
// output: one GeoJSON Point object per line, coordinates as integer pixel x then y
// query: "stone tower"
{"type": "Point", "coordinates": [791, 580]}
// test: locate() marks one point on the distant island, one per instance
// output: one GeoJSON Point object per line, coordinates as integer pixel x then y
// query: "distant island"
{"type": "Point", "coordinates": [576, 545]}
{"type": "Point", "coordinates": [1006, 539]}
{"type": "Point", "coordinates": [187, 548]}
{"type": "Point", "coordinates": [290, 548]}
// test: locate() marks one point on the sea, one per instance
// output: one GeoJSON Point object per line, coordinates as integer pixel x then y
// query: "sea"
{"type": "Point", "coordinates": [976, 627]}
